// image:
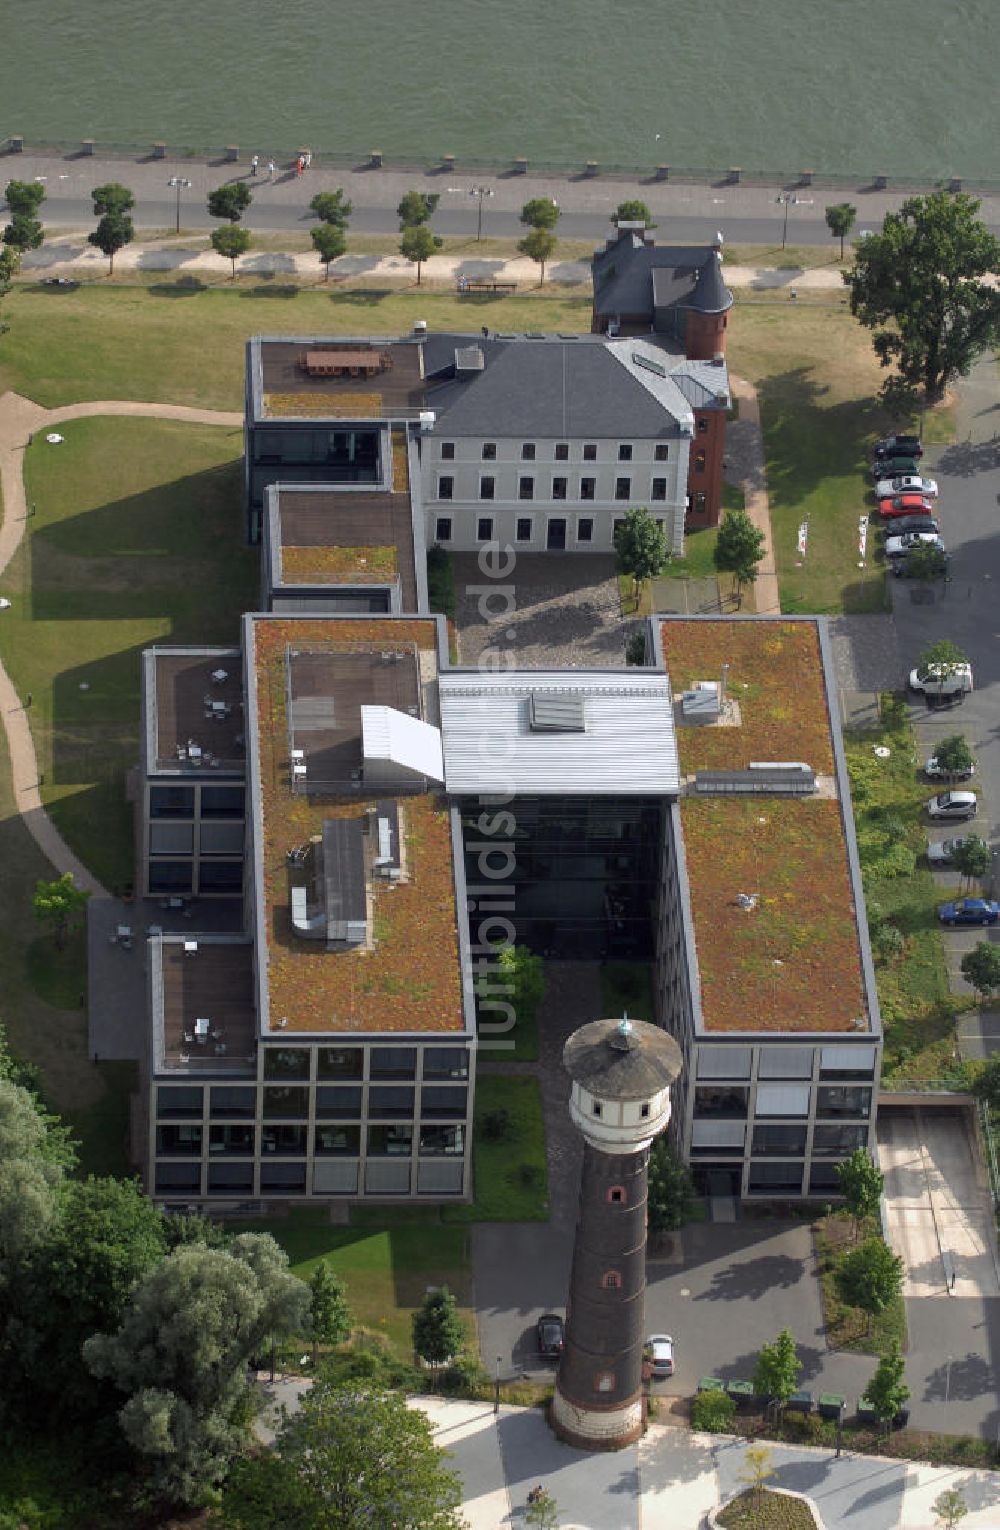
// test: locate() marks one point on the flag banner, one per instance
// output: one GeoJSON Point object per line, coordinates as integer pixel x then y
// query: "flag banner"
{"type": "Point", "coordinates": [863, 535]}
{"type": "Point", "coordinates": [803, 538]}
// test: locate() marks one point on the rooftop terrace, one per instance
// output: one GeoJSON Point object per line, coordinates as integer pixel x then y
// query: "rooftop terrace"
{"type": "Point", "coordinates": [355, 537]}
{"type": "Point", "coordinates": [405, 976]}
{"type": "Point", "coordinates": [197, 700]}
{"type": "Point", "coordinates": [340, 379]}
{"type": "Point", "coordinates": [207, 1018]}
{"type": "Point", "coordinates": [792, 961]}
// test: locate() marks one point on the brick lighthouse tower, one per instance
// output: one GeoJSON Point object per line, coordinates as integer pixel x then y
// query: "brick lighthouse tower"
{"type": "Point", "coordinates": [621, 1072]}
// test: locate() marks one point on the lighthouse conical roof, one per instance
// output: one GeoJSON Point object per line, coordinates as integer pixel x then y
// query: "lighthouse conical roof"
{"type": "Point", "coordinates": [622, 1059]}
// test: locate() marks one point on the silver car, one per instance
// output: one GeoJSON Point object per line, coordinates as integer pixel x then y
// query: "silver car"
{"type": "Point", "coordinates": [953, 805]}
{"type": "Point", "coordinates": [906, 483]}
{"type": "Point", "coordinates": [941, 852]}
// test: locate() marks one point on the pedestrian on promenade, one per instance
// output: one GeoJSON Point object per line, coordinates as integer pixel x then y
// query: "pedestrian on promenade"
{"type": "Point", "coordinates": [271, 167]}
{"type": "Point", "coordinates": [308, 159]}
{"type": "Point", "coordinates": [254, 163]}
{"type": "Point", "coordinates": [27, 700]}
{"type": "Point", "coordinates": [300, 165]}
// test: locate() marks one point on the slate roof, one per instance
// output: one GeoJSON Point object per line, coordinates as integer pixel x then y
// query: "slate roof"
{"type": "Point", "coordinates": [632, 277]}
{"type": "Point", "coordinates": [549, 385]}
{"type": "Point", "coordinates": [616, 1066]}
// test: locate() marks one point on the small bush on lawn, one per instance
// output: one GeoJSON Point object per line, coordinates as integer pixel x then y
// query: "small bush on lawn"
{"type": "Point", "coordinates": [440, 582]}
{"type": "Point", "coordinates": [712, 1412]}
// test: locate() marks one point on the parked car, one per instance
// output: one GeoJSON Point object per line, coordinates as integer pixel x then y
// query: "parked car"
{"type": "Point", "coordinates": [898, 545]}
{"type": "Point", "coordinates": [551, 1333]}
{"type": "Point", "coordinates": [938, 773]}
{"type": "Point", "coordinates": [905, 504]}
{"type": "Point", "coordinates": [659, 1351]}
{"type": "Point", "coordinates": [941, 852]}
{"type": "Point", "coordinates": [907, 483]}
{"type": "Point", "coordinates": [897, 525]}
{"type": "Point", "coordinates": [953, 805]}
{"type": "Point", "coordinates": [907, 568]}
{"type": "Point", "coordinates": [895, 467]}
{"type": "Point", "coordinates": [887, 446]}
{"type": "Point", "coordinates": [969, 911]}
{"type": "Point", "coordinates": [935, 681]}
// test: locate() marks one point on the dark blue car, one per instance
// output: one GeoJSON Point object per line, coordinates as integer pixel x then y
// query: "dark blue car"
{"type": "Point", "coordinates": [969, 911]}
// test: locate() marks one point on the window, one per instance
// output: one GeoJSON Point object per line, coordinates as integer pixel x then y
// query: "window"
{"type": "Point", "coordinates": [589, 452]}
{"type": "Point", "coordinates": [341, 1062]}
{"type": "Point", "coordinates": [559, 488]}
{"type": "Point", "coordinates": [222, 802]}
{"type": "Point", "coordinates": [623, 488]}
{"type": "Point", "coordinates": [446, 486]}
{"type": "Point", "coordinates": [604, 1381]}
{"type": "Point", "coordinates": [393, 1062]}
{"type": "Point", "coordinates": [484, 528]}
{"type": "Point", "coordinates": [699, 504]}
{"type": "Point", "coordinates": [230, 1178]}
{"type": "Point", "coordinates": [286, 1062]}
{"type": "Point", "coordinates": [588, 488]}
{"type": "Point", "coordinates": [525, 488]}
{"type": "Point", "coordinates": [843, 1102]}
{"type": "Point", "coordinates": [447, 451]}
{"type": "Point", "coordinates": [585, 529]}
{"type": "Point", "coordinates": [562, 451]}
{"type": "Point", "coordinates": [659, 489]}
{"type": "Point", "coordinates": [338, 1141]}
{"type": "Point", "coordinates": [616, 526]}
{"type": "Point", "coordinates": [179, 1139]}
{"type": "Point", "coordinates": [489, 451]}
{"type": "Point", "coordinates": [782, 1100]}
{"type": "Point", "coordinates": [527, 451]}
{"type": "Point", "coordinates": [284, 1139]}
{"type": "Point", "coordinates": [442, 1141]}
{"type": "Point", "coordinates": [703, 425]}
{"type": "Point", "coordinates": [338, 1102]}
{"type": "Point", "coordinates": [170, 877]}
{"type": "Point", "coordinates": [596, 1108]}
{"type": "Point", "coordinates": [286, 1101]}
{"type": "Point", "coordinates": [644, 1111]}
{"type": "Point", "coordinates": [625, 452]}
{"type": "Point", "coordinates": [661, 452]}
{"type": "Point", "coordinates": [611, 1280]}
{"type": "Point", "coordinates": [775, 1178]}
{"type": "Point", "coordinates": [699, 461]}
{"type": "Point", "coordinates": [237, 1140]}
{"type": "Point", "coordinates": [442, 528]}
{"type": "Point", "coordinates": [523, 530]}
{"type": "Point", "coordinates": [390, 1141]}
{"type": "Point", "coordinates": [171, 802]}
{"type": "Point", "coordinates": [447, 1103]}
{"type": "Point", "coordinates": [616, 1195]}
{"type": "Point", "coordinates": [446, 1062]}
{"type": "Point", "coordinates": [724, 1101]}
{"type": "Point", "coordinates": [779, 1141]}
{"type": "Point", "coordinates": [844, 1063]}
{"type": "Point", "coordinates": [838, 1141]}
{"type": "Point", "coordinates": [487, 487]}
{"type": "Point", "coordinates": [239, 1101]}
{"type": "Point", "coordinates": [390, 1102]}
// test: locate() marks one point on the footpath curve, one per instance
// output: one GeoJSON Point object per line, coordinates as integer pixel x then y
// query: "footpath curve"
{"type": "Point", "coordinates": [20, 419]}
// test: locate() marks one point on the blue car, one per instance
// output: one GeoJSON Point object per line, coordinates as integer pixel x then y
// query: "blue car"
{"type": "Point", "coordinates": [969, 911]}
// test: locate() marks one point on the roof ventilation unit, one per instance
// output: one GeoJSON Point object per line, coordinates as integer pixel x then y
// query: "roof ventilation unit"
{"type": "Point", "coordinates": [428, 419]}
{"type": "Point", "coordinates": [552, 713]}
{"type": "Point", "coordinates": [702, 702]}
{"type": "Point", "coordinates": [420, 328]}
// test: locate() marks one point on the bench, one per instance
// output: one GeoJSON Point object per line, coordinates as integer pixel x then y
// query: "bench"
{"type": "Point", "coordinates": [471, 284]}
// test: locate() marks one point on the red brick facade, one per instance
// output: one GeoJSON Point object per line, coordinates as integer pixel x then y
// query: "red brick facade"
{"type": "Point", "coordinates": [705, 469]}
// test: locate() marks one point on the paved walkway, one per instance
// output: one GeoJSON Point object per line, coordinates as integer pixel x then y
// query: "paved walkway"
{"type": "Point", "coordinates": [20, 419]}
{"type": "Point", "coordinates": [745, 454]}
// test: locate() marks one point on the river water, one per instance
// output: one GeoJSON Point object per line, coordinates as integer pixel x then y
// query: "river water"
{"type": "Point", "coordinates": [902, 87]}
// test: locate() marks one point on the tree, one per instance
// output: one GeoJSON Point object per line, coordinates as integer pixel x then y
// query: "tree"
{"type": "Point", "coordinates": [418, 244]}
{"type": "Point", "coordinates": [776, 1373]}
{"type": "Point", "coordinates": [758, 1472]}
{"type": "Point", "coordinates": [920, 286]}
{"type": "Point", "coordinates": [540, 212]}
{"type": "Point", "coordinates": [925, 562]}
{"type": "Point", "coordinates": [31, 1174]}
{"type": "Point", "coordinates": [23, 233]}
{"type": "Point", "coordinates": [840, 219]}
{"type": "Point", "coordinates": [633, 211]}
{"type": "Point", "coordinates": [986, 1085]}
{"type": "Point", "coordinates": [516, 976]}
{"type": "Point", "coordinates": [542, 1511]}
{"type": "Point", "coordinates": [870, 1277]}
{"type": "Point", "coordinates": [352, 1455]}
{"type": "Point", "coordinates": [416, 207]}
{"type": "Point", "coordinates": [112, 234]}
{"type": "Point", "coordinates": [738, 549]}
{"type": "Point", "coordinates": [329, 244]}
{"type": "Point", "coordinates": [972, 858]}
{"type": "Point", "coordinates": [230, 201]}
{"type": "Point", "coordinates": [861, 1184]}
{"type": "Point", "coordinates": [939, 661]}
{"type": "Point", "coordinates": [670, 1200]}
{"type": "Point", "coordinates": [10, 264]}
{"type": "Point", "coordinates": [24, 198]}
{"type": "Point", "coordinates": [953, 755]}
{"type": "Point", "coordinates": [539, 245]}
{"type": "Point", "coordinates": [181, 1351]}
{"type": "Point", "coordinates": [640, 548]}
{"type": "Point", "coordinates": [981, 968]}
{"type": "Point", "coordinates": [949, 1508]}
{"type": "Point", "coordinates": [332, 207]}
{"type": "Point", "coordinates": [330, 1319]}
{"type": "Point", "coordinates": [231, 242]}
{"type": "Point", "coordinates": [60, 905]}
{"type": "Point", "coordinates": [887, 1392]}
{"type": "Point", "coordinates": [112, 198]}
{"type": "Point", "coordinates": [438, 1331]}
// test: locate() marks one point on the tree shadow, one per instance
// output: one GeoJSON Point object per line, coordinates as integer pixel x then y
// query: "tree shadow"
{"type": "Point", "coordinates": [755, 1278]}
{"type": "Point", "coordinates": [184, 286]}
{"type": "Point", "coordinates": [270, 290]}
{"type": "Point", "coordinates": [968, 1377]}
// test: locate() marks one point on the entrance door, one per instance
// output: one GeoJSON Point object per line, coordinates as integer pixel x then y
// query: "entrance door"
{"type": "Point", "coordinates": [555, 536]}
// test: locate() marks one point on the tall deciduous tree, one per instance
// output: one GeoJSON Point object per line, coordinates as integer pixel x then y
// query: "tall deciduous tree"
{"type": "Point", "coordinates": [640, 548]}
{"type": "Point", "coordinates": [870, 1277]}
{"type": "Point", "coordinates": [10, 264]}
{"type": "Point", "coordinates": [23, 233]}
{"type": "Point", "coordinates": [920, 286]}
{"type": "Point", "coordinates": [60, 905]}
{"type": "Point", "coordinates": [330, 1319]}
{"type": "Point", "coordinates": [776, 1373]}
{"type": "Point", "coordinates": [887, 1392]}
{"type": "Point", "coordinates": [352, 1455]}
{"type": "Point", "coordinates": [332, 207]}
{"type": "Point", "coordinates": [981, 968]}
{"type": "Point", "coordinates": [739, 549]}
{"type": "Point", "coordinates": [539, 245]}
{"type": "Point", "coordinates": [986, 1084]}
{"type": "Point", "coordinates": [953, 755]}
{"type": "Point", "coordinates": [438, 1331]}
{"type": "Point", "coordinates": [181, 1353]}
{"type": "Point", "coordinates": [972, 858]}
{"type": "Point", "coordinates": [24, 198]}
{"type": "Point", "coordinates": [670, 1198]}
{"type": "Point", "coordinates": [840, 219]}
{"type": "Point", "coordinates": [231, 242]}
{"type": "Point", "coordinates": [418, 244]}
{"type": "Point", "coordinates": [861, 1184]}
{"type": "Point", "coordinates": [329, 243]}
{"type": "Point", "coordinates": [633, 211]}
{"type": "Point", "coordinates": [112, 197]}
{"type": "Point", "coordinates": [540, 212]}
{"type": "Point", "coordinates": [112, 234]}
{"type": "Point", "coordinates": [940, 661]}
{"type": "Point", "coordinates": [230, 201]}
{"type": "Point", "coordinates": [416, 207]}
{"type": "Point", "coordinates": [31, 1175]}
{"type": "Point", "coordinates": [925, 562]}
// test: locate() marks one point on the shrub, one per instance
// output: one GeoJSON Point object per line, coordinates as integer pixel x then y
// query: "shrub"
{"type": "Point", "coordinates": [529, 1175]}
{"type": "Point", "coordinates": [635, 648]}
{"type": "Point", "coordinates": [440, 582]}
{"type": "Point", "coordinates": [713, 1412]}
{"type": "Point", "coordinates": [496, 1125]}
{"type": "Point", "coordinates": [887, 942]}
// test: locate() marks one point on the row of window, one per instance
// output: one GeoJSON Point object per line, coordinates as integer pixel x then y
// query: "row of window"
{"type": "Point", "coordinates": [661, 450]}
{"type": "Point", "coordinates": [177, 877]}
{"type": "Point", "coordinates": [347, 1063]}
{"type": "Point", "coordinates": [329, 1141]}
{"type": "Point", "coordinates": [179, 802]}
{"type": "Point", "coordinates": [560, 486]}
{"type": "Point", "coordinates": [829, 1141]}
{"type": "Point", "coordinates": [524, 527]}
{"type": "Point", "coordinates": [732, 1101]}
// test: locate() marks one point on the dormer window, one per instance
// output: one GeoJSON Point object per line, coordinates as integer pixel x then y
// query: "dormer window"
{"type": "Point", "coordinates": [596, 1108]}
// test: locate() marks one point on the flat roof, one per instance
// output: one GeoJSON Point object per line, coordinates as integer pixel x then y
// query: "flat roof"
{"type": "Point", "coordinates": [797, 958]}
{"type": "Point", "coordinates": [340, 536]}
{"type": "Point", "coordinates": [291, 387]}
{"type": "Point", "coordinates": [406, 976]}
{"type": "Point", "coordinates": [626, 744]}
{"type": "Point", "coordinates": [191, 704]}
{"type": "Point", "coordinates": [204, 979]}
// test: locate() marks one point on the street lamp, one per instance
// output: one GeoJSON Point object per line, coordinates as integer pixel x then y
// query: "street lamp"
{"type": "Point", "coordinates": [480, 192]}
{"type": "Point", "coordinates": [783, 199]}
{"type": "Point", "coordinates": [180, 183]}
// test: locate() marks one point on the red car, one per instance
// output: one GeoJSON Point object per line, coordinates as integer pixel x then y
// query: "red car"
{"type": "Point", "coordinates": [905, 504]}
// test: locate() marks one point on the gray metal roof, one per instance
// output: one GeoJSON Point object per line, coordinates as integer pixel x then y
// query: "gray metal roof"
{"type": "Point", "coordinates": [632, 277]}
{"type": "Point", "coordinates": [705, 384]}
{"type": "Point", "coordinates": [627, 746]}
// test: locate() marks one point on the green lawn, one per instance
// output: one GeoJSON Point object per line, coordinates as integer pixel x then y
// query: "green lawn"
{"type": "Point", "coordinates": [510, 1179]}
{"type": "Point", "coordinates": [847, 1327]}
{"type": "Point", "coordinates": [136, 539]}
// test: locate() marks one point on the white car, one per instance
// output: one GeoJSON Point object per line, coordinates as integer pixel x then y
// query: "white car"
{"type": "Point", "coordinates": [898, 547]}
{"type": "Point", "coordinates": [942, 682]}
{"type": "Point", "coordinates": [659, 1352]}
{"type": "Point", "coordinates": [953, 805]}
{"type": "Point", "coordinates": [938, 773]}
{"type": "Point", "coordinates": [885, 488]}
